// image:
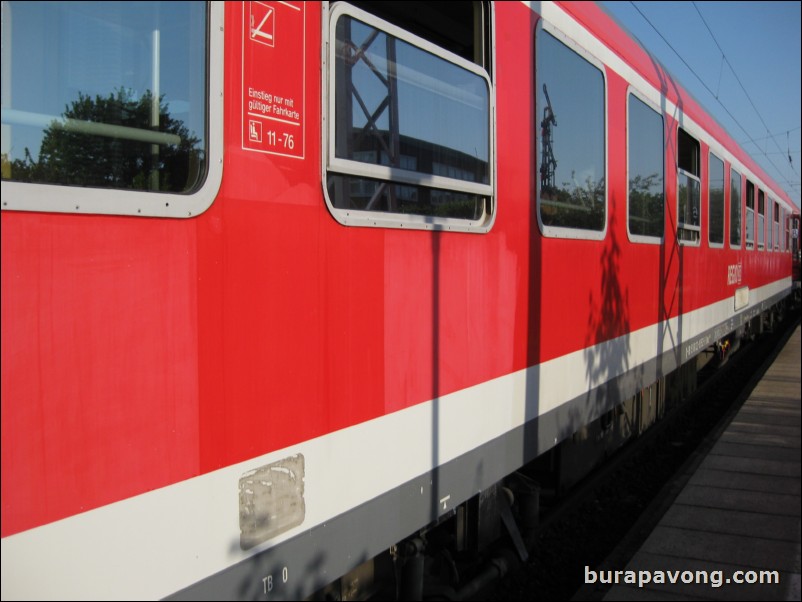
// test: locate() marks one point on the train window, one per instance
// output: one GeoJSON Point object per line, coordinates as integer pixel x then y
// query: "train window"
{"type": "Point", "coordinates": [761, 219]}
{"type": "Point", "coordinates": [788, 233]}
{"type": "Point", "coordinates": [776, 226]}
{"type": "Point", "coordinates": [750, 215]}
{"type": "Point", "coordinates": [688, 188]}
{"type": "Point", "coordinates": [715, 201]}
{"type": "Point", "coordinates": [108, 95]}
{"type": "Point", "coordinates": [736, 201]}
{"type": "Point", "coordinates": [645, 165]}
{"type": "Point", "coordinates": [784, 230]}
{"type": "Point", "coordinates": [410, 128]}
{"type": "Point", "coordinates": [769, 225]}
{"type": "Point", "coordinates": [571, 144]}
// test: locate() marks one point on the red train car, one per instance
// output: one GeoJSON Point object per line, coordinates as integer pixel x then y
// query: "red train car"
{"type": "Point", "coordinates": [286, 284]}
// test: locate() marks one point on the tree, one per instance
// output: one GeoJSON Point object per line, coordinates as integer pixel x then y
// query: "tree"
{"type": "Point", "coordinates": [82, 150]}
{"type": "Point", "coordinates": [646, 205]}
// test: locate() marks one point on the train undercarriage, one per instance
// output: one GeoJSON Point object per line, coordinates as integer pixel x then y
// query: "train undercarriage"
{"type": "Point", "coordinates": [494, 532]}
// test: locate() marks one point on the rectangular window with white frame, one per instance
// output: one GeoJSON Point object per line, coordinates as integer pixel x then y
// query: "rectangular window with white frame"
{"type": "Point", "coordinates": [689, 172]}
{"type": "Point", "coordinates": [761, 219]}
{"type": "Point", "coordinates": [106, 107]}
{"type": "Point", "coordinates": [645, 171]}
{"type": "Point", "coordinates": [571, 145]}
{"type": "Point", "coordinates": [410, 128]}
{"type": "Point", "coordinates": [715, 202]}
{"type": "Point", "coordinates": [736, 202]}
{"type": "Point", "coordinates": [749, 225]}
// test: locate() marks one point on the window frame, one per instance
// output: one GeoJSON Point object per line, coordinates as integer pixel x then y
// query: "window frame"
{"type": "Point", "coordinates": [783, 229]}
{"type": "Point", "coordinates": [696, 241]}
{"type": "Point", "coordinates": [776, 217]}
{"type": "Point", "coordinates": [585, 54]}
{"type": "Point", "coordinates": [56, 198]}
{"type": "Point", "coordinates": [760, 228]}
{"type": "Point", "coordinates": [686, 226]}
{"type": "Point", "coordinates": [347, 167]}
{"type": "Point", "coordinates": [750, 242]}
{"type": "Point", "coordinates": [642, 238]}
{"type": "Point", "coordinates": [724, 183]}
{"type": "Point", "coordinates": [788, 219]}
{"type": "Point", "coordinates": [740, 202]}
{"type": "Point", "coordinates": [769, 223]}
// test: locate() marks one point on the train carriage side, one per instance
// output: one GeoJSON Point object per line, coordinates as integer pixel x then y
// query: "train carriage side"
{"type": "Point", "coordinates": [273, 308]}
{"type": "Point", "coordinates": [209, 380]}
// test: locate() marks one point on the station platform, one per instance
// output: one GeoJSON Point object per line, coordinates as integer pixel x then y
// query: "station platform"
{"type": "Point", "coordinates": [736, 520]}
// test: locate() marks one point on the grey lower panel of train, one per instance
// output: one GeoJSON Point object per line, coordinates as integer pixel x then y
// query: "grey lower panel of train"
{"type": "Point", "coordinates": [302, 565]}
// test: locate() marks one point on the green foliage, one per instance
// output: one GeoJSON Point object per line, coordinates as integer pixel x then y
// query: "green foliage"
{"type": "Point", "coordinates": [72, 156]}
{"type": "Point", "coordinates": [574, 206]}
{"type": "Point", "coordinates": [646, 205]}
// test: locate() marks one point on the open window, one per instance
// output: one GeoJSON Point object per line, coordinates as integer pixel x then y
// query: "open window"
{"type": "Point", "coordinates": [689, 218]}
{"type": "Point", "coordinates": [761, 219]}
{"type": "Point", "coordinates": [776, 225]}
{"type": "Point", "coordinates": [410, 105]}
{"type": "Point", "coordinates": [750, 215]}
{"type": "Point", "coordinates": [790, 232]}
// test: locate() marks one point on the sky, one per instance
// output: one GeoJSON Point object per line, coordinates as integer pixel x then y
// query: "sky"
{"type": "Point", "coordinates": [741, 61]}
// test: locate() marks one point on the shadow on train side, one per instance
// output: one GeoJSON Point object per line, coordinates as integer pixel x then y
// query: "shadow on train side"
{"type": "Point", "coordinates": [589, 427]}
{"type": "Point", "coordinates": [273, 574]}
{"type": "Point", "coordinates": [602, 419]}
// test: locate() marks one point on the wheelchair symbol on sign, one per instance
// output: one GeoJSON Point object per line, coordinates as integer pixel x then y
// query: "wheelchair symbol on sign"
{"type": "Point", "coordinates": [254, 131]}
